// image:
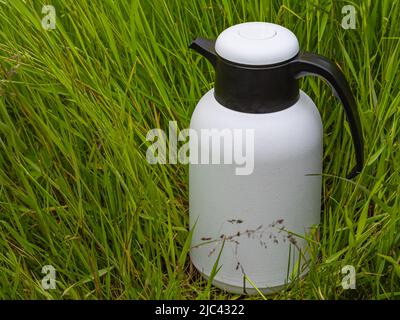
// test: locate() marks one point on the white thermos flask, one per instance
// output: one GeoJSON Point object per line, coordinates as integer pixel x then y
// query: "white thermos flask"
{"type": "Point", "coordinates": [252, 217]}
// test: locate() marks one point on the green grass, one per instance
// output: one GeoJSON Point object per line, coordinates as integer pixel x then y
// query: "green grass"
{"type": "Point", "coordinates": [76, 103]}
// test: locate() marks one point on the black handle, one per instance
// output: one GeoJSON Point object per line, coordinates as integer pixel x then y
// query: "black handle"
{"type": "Point", "coordinates": [314, 64]}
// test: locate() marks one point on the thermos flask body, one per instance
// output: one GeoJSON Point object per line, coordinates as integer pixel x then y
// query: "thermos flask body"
{"type": "Point", "coordinates": [254, 222]}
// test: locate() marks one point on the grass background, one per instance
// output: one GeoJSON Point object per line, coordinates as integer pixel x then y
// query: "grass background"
{"type": "Point", "coordinates": [76, 103]}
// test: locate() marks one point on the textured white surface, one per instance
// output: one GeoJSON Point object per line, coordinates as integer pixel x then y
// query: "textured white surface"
{"type": "Point", "coordinates": [257, 43]}
{"type": "Point", "coordinates": [288, 147]}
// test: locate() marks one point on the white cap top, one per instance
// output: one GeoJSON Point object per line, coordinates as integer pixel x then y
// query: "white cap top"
{"type": "Point", "coordinates": [257, 43]}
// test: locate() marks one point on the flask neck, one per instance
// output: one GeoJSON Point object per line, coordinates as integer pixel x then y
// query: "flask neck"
{"type": "Point", "coordinates": [255, 89]}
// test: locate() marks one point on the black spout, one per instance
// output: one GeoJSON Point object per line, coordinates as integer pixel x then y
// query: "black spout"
{"type": "Point", "coordinates": [206, 48]}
